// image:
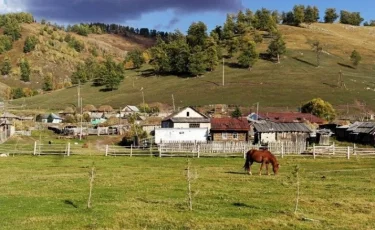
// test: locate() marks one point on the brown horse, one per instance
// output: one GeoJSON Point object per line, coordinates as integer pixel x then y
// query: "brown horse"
{"type": "Point", "coordinates": [261, 156]}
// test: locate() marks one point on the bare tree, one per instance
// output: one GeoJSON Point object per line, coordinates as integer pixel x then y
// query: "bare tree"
{"type": "Point", "coordinates": [92, 176]}
{"type": "Point", "coordinates": [318, 49]}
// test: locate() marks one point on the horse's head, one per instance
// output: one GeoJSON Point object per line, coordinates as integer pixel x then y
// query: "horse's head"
{"type": "Point", "coordinates": [276, 168]}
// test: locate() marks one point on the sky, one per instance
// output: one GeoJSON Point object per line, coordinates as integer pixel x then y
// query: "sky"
{"type": "Point", "coordinates": [165, 15]}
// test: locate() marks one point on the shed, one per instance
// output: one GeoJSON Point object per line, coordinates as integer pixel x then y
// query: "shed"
{"type": "Point", "coordinates": [229, 129]}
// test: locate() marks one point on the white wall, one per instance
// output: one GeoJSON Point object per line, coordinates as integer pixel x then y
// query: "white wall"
{"type": "Point", "coordinates": [186, 125]}
{"type": "Point", "coordinates": [192, 113]}
{"type": "Point", "coordinates": [268, 137]}
{"type": "Point", "coordinates": [182, 135]}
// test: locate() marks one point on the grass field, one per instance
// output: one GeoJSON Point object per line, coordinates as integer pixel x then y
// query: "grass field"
{"type": "Point", "coordinates": [151, 193]}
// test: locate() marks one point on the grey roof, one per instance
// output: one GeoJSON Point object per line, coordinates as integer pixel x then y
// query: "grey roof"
{"type": "Point", "coordinates": [189, 120]}
{"type": "Point", "coordinates": [364, 127]}
{"type": "Point", "coordinates": [54, 116]}
{"type": "Point", "coordinates": [9, 115]}
{"type": "Point", "coordinates": [268, 126]}
{"type": "Point", "coordinates": [132, 108]}
{"type": "Point", "coordinates": [353, 126]}
{"type": "Point", "coordinates": [97, 115]}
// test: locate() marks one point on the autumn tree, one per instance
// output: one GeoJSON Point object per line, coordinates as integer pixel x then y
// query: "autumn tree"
{"type": "Point", "coordinates": [320, 108]}
{"type": "Point", "coordinates": [48, 82]}
{"type": "Point", "coordinates": [136, 57]}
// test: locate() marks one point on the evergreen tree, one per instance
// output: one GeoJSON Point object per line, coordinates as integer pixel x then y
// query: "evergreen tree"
{"type": "Point", "coordinates": [212, 59]}
{"type": "Point", "coordinates": [229, 28]}
{"type": "Point", "coordinates": [330, 15]}
{"type": "Point", "coordinates": [263, 20]}
{"type": "Point", "coordinates": [355, 57]}
{"type": "Point", "coordinates": [232, 46]}
{"type": "Point", "coordinates": [113, 74]}
{"type": "Point", "coordinates": [136, 56]}
{"type": "Point", "coordinates": [30, 44]}
{"type": "Point", "coordinates": [178, 52]}
{"type": "Point", "coordinates": [276, 17]}
{"type": "Point", "coordinates": [5, 67]}
{"type": "Point", "coordinates": [277, 47]}
{"type": "Point", "coordinates": [241, 24]}
{"type": "Point", "coordinates": [248, 56]}
{"type": "Point", "coordinates": [236, 113]}
{"type": "Point", "coordinates": [197, 65]}
{"type": "Point", "coordinates": [160, 59]}
{"type": "Point", "coordinates": [310, 16]}
{"type": "Point", "coordinates": [25, 70]}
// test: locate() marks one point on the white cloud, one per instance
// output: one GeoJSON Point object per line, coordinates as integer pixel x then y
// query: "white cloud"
{"type": "Point", "coordinates": [8, 6]}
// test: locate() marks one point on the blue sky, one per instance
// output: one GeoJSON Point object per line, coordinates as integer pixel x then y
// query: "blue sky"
{"type": "Point", "coordinates": [165, 15]}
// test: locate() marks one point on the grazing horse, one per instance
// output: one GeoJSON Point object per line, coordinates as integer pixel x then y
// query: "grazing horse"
{"type": "Point", "coordinates": [261, 156]}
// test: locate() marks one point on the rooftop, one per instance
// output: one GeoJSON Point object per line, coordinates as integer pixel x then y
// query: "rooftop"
{"type": "Point", "coordinates": [229, 124]}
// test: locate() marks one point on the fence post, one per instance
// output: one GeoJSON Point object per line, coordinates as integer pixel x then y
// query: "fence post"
{"type": "Point", "coordinates": [106, 150]}
{"type": "Point", "coordinates": [68, 153]}
{"type": "Point", "coordinates": [354, 147]}
{"type": "Point", "coordinates": [282, 149]}
{"type": "Point", "coordinates": [160, 150]}
{"type": "Point", "coordinates": [333, 148]}
{"type": "Point", "coordinates": [198, 148]}
{"type": "Point", "coordinates": [34, 148]}
{"type": "Point", "coordinates": [314, 150]}
{"type": "Point", "coordinates": [131, 150]}
{"type": "Point", "coordinates": [348, 153]}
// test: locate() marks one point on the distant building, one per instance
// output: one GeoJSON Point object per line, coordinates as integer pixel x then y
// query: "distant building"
{"type": "Point", "coordinates": [129, 110]}
{"type": "Point", "coordinates": [287, 117]}
{"type": "Point", "coordinates": [6, 130]}
{"type": "Point", "coordinates": [230, 129]}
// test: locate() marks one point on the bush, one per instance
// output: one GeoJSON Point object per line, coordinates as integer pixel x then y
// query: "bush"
{"type": "Point", "coordinates": [6, 43]}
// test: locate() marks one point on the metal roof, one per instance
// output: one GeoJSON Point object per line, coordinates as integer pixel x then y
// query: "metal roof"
{"type": "Point", "coordinates": [269, 126]}
{"type": "Point", "coordinates": [229, 124]}
{"type": "Point", "coordinates": [364, 127]}
{"type": "Point", "coordinates": [188, 120]}
{"type": "Point", "coordinates": [132, 108]}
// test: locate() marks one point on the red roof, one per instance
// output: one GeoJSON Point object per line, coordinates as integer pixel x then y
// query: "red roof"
{"type": "Point", "coordinates": [292, 117]}
{"type": "Point", "coordinates": [229, 124]}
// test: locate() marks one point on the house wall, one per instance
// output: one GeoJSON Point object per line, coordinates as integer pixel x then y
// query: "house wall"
{"type": "Point", "coordinates": [180, 135]}
{"type": "Point", "coordinates": [184, 113]}
{"type": "Point", "coordinates": [220, 136]}
{"type": "Point", "coordinates": [267, 137]}
{"type": "Point", "coordinates": [150, 128]}
{"type": "Point", "coordinates": [291, 136]}
{"type": "Point", "coordinates": [187, 125]}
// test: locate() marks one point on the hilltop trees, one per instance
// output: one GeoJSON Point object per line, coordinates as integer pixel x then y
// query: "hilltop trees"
{"type": "Point", "coordinates": [12, 28]}
{"type": "Point", "coordinates": [277, 47]}
{"type": "Point", "coordinates": [355, 57]}
{"type": "Point", "coordinates": [351, 18]}
{"type": "Point", "coordinates": [330, 15]}
{"type": "Point", "coordinates": [25, 70]}
{"type": "Point", "coordinates": [320, 108]}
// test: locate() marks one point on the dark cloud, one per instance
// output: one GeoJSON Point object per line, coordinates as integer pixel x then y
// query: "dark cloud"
{"type": "Point", "coordinates": [121, 10]}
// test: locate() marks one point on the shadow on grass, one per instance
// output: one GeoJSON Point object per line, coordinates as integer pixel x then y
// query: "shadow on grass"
{"type": "Point", "coordinates": [239, 204]}
{"type": "Point", "coordinates": [266, 57]}
{"type": "Point", "coordinates": [71, 203]}
{"type": "Point", "coordinates": [236, 173]}
{"type": "Point", "coordinates": [345, 65]}
{"type": "Point", "coordinates": [330, 85]}
{"type": "Point", "coordinates": [303, 61]}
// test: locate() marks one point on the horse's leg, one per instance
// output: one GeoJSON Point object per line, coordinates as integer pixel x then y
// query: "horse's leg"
{"type": "Point", "coordinates": [260, 170]}
{"type": "Point", "coordinates": [267, 168]}
{"type": "Point", "coordinates": [251, 163]}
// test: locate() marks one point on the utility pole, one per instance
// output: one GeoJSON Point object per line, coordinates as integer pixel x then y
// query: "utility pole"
{"type": "Point", "coordinates": [79, 94]}
{"type": "Point", "coordinates": [80, 136]}
{"type": "Point", "coordinates": [257, 110]}
{"type": "Point", "coordinates": [223, 71]}
{"type": "Point", "coordinates": [174, 106]}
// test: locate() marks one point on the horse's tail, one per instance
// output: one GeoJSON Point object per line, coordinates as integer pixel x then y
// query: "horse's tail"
{"type": "Point", "coordinates": [247, 161]}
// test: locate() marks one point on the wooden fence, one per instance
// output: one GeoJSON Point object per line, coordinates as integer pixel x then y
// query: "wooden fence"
{"type": "Point", "coordinates": [339, 151]}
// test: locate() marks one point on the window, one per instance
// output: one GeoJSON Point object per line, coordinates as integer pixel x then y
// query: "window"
{"type": "Point", "coordinates": [194, 125]}
{"type": "Point", "coordinates": [224, 136]}
{"type": "Point", "coordinates": [235, 136]}
{"type": "Point", "coordinates": [187, 114]}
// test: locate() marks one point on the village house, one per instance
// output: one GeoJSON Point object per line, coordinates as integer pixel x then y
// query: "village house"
{"type": "Point", "coordinates": [229, 129]}
{"type": "Point", "coordinates": [129, 110]}
{"type": "Point", "coordinates": [359, 132]}
{"type": "Point", "coordinates": [9, 116]}
{"type": "Point", "coordinates": [97, 118]}
{"type": "Point", "coordinates": [269, 131]}
{"type": "Point", "coordinates": [187, 125]}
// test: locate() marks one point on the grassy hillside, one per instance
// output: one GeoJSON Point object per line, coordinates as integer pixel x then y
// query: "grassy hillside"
{"type": "Point", "coordinates": [53, 55]}
{"type": "Point", "coordinates": [286, 85]}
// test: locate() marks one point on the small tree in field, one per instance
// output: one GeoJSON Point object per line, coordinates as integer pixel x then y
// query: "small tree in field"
{"type": "Point", "coordinates": [25, 70]}
{"type": "Point", "coordinates": [236, 113]}
{"type": "Point", "coordinates": [277, 47]}
{"type": "Point", "coordinates": [355, 58]}
{"type": "Point", "coordinates": [318, 49]}
{"type": "Point", "coordinates": [320, 108]}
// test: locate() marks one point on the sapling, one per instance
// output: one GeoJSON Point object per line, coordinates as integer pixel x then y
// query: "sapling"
{"type": "Point", "coordinates": [92, 177]}
{"type": "Point", "coordinates": [296, 174]}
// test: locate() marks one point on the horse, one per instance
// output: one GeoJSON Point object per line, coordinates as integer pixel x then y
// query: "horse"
{"type": "Point", "coordinates": [261, 156]}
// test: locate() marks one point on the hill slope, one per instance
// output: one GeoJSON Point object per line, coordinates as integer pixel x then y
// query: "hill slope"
{"type": "Point", "coordinates": [53, 55]}
{"type": "Point", "coordinates": [288, 84]}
